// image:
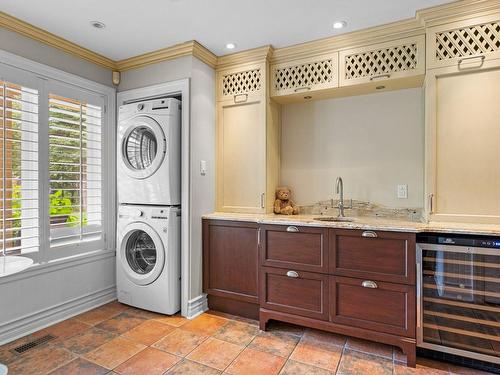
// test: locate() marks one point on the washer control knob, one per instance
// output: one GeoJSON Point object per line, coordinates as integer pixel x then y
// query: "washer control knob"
{"type": "Point", "coordinates": [140, 107]}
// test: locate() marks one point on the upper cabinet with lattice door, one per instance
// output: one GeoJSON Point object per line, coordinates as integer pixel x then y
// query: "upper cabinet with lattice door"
{"type": "Point", "coordinates": [464, 42]}
{"type": "Point", "coordinates": [237, 84]}
{"type": "Point", "coordinates": [394, 60]}
{"type": "Point", "coordinates": [304, 76]}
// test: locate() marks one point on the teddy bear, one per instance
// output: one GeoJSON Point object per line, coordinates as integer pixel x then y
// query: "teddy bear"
{"type": "Point", "coordinates": [283, 204]}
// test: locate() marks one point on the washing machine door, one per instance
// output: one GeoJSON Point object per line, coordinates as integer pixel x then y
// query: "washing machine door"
{"type": "Point", "coordinates": [143, 147]}
{"type": "Point", "coordinates": [142, 253]}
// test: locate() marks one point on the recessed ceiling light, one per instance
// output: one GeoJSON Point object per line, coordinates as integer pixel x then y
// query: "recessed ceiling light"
{"type": "Point", "coordinates": [339, 24]}
{"type": "Point", "coordinates": [230, 45]}
{"type": "Point", "coordinates": [97, 24]}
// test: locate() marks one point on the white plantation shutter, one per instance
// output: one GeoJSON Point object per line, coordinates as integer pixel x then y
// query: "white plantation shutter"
{"type": "Point", "coordinates": [19, 203]}
{"type": "Point", "coordinates": [75, 171]}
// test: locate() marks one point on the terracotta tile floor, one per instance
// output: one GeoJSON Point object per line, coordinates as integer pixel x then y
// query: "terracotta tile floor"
{"type": "Point", "coordinates": [117, 339]}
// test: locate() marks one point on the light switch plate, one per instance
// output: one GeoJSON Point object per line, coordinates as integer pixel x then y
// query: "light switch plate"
{"type": "Point", "coordinates": [403, 191]}
{"type": "Point", "coordinates": [203, 167]}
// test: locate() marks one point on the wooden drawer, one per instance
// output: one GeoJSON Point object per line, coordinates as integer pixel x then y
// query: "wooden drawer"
{"type": "Point", "coordinates": [296, 248]}
{"type": "Point", "coordinates": [302, 293]}
{"type": "Point", "coordinates": [377, 306]}
{"type": "Point", "coordinates": [382, 256]}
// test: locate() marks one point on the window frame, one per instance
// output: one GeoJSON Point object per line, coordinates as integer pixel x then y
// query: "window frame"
{"type": "Point", "coordinates": [43, 78]}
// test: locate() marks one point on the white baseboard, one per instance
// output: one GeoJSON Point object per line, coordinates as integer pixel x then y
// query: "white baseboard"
{"type": "Point", "coordinates": [33, 322]}
{"type": "Point", "coordinates": [197, 306]}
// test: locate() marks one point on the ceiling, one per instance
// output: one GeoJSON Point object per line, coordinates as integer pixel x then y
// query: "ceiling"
{"type": "Point", "coordinates": [136, 27]}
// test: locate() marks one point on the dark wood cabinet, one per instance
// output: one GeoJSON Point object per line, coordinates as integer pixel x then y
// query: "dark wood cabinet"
{"type": "Point", "coordinates": [230, 263]}
{"type": "Point", "coordinates": [295, 247]}
{"type": "Point", "coordinates": [373, 305]}
{"type": "Point", "coordinates": [295, 292]}
{"type": "Point", "coordinates": [352, 282]}
{"type": "Point", "coordinates": [383, 256]}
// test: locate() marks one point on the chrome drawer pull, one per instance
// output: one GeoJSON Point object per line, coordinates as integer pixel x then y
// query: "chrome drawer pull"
{"type": "Point", "coordinates": [292, 229]}
{"type": "Point", "coordinates": [301, 89]}
{"type": "Point", "coordinates": [292, 274]}
{"type": "Point", "coordinates": [369, 233]}
{"type": "Point", "coordinates": [369, 284]}
{"type": "Point", "coordinates": [240, 98]}
{"type": "Point", "coordinates": [463, 59]}
{"type": "Point", "coordinates": [373, 78]}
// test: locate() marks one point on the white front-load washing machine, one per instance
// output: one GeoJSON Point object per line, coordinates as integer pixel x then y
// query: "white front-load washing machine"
{"type": "Point", "coordinates": [149, 152]}
{"type": "Point", "coordinates": [148, 257]}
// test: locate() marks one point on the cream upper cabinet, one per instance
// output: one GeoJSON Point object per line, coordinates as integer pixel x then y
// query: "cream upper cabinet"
{"type": "Point", "coordinates": [304, 76]}
{"type": "Point", "coordinates": [397, 59]}
{"type": "Point", "coordinates": [238, 83]}
{"type": "Point", "coordinates": [462, 142]}
{"type": "Point", "coordinates": [463, 41]}
{"type": "Point", "coordinates": [247, 141]}
{"type": "Point", "coordinates": [241, 149]}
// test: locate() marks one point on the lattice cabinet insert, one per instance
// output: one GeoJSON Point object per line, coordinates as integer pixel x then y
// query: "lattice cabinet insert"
{"type": "Point", "coordinates": [395, 59]}
{"type": "Point", "coordinates": [320, 72]}
{"type": "Point", "coordinates": [464, 42]}
{"type": "Point", "coordinates": [243, 82]}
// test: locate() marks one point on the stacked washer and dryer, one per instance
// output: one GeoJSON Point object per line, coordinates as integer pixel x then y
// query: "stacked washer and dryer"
{"type": "Point", "coordinates": [149, 212]}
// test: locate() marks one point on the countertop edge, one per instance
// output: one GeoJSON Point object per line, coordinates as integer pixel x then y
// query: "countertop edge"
{"type": "Point", "coordinates": [361, 223]}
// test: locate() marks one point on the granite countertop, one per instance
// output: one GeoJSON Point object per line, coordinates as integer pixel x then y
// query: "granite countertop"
{"type": "Point", "coordinates": [362, 222]}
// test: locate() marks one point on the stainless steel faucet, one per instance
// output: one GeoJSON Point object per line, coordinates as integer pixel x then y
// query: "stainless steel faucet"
{"type": "Point", "coordinates": [339, 189]}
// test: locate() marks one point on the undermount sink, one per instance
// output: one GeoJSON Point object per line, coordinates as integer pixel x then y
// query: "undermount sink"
{"type": "Point", "coordinates": [13, 264]}
{"type": "Point", "coordinates": [334, 219]}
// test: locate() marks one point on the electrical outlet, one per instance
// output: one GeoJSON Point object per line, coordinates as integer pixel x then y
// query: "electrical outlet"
{"type": "Point", "coordinates": [403, 191]}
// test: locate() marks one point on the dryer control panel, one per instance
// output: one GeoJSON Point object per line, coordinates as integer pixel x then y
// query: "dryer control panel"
{"type": "Point", "coordinates": [159, 213]}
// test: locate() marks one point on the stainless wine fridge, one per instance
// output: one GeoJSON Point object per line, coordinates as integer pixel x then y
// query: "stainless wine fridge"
{"type": "Point", "coordinates": [458, 295]}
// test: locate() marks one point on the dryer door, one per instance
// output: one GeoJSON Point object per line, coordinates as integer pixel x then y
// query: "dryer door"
{"type": "Point", "coordinates": [142, 253]}
{"type": "Point", "coordinates": [143, 147]}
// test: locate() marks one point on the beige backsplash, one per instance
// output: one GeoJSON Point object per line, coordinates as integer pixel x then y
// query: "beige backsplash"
{"type": "Point", "coordinates": [362, 208]}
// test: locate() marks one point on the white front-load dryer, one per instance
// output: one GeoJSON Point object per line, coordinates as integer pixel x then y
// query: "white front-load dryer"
{"type": "Point", "coordinates": [148, 258]}
{"type": "Point", "coordinates": [149, 152]}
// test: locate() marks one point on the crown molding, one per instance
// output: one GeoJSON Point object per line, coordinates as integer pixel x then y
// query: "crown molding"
{"type": "Point", "coordinates": [14, 24]}
{"type": "Point", "coordinates": [191, 48]}
{"type": "Point", "coordinates": [249, 56]}
{"type": "Point", "coordinates": [184, 49]}
{"type": "Point", "coordinates": [423, 18]}
{"type": "Point", "coordinates": [457, 11]}
{"type": "Point", "coordinates": [400, 29]}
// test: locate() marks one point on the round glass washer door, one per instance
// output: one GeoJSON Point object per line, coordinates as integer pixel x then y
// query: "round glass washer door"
{"type": "Point", "coordinates": [142, 253]}
{"type": "Point", "coordinates": [143, 147]}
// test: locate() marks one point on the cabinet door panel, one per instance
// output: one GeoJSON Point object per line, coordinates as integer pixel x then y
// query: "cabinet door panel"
{"type": "Point", "coordinates": [241, 153]}
{"type": "Point", "coordinates": [230, 264]}
{"type": "Point", "coordinates": [304, 249]}
{"type": "Point", "coordinates": [304, 294]}
{"type": "Point", "coordinates": [382, 62]}
{"type": "Point", "coordinates": [458, 43]}
{"type": "Point", "coordinates": [463, 172]}
{"type": "Point", "coordinates": [383, 307]}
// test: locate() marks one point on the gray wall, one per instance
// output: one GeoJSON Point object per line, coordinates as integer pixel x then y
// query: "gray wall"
{"type": "Point", "coordinates": [31, 49]}
{"type": "Point", "coordinates": [161, 72]}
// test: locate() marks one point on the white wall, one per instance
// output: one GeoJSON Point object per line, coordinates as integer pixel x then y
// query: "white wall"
{"type": "Point", "coordinates": [50, 293]}
{"type": "Point", "coordinates": [42, 53]}
{"type": "Point", "coordinates": [375, 142]}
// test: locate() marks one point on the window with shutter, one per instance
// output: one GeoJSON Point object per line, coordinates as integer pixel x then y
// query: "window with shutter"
{"type": "Point", "coordinates": [19, 193]}
{"type": "Point", "coordinates": [75, 187]}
